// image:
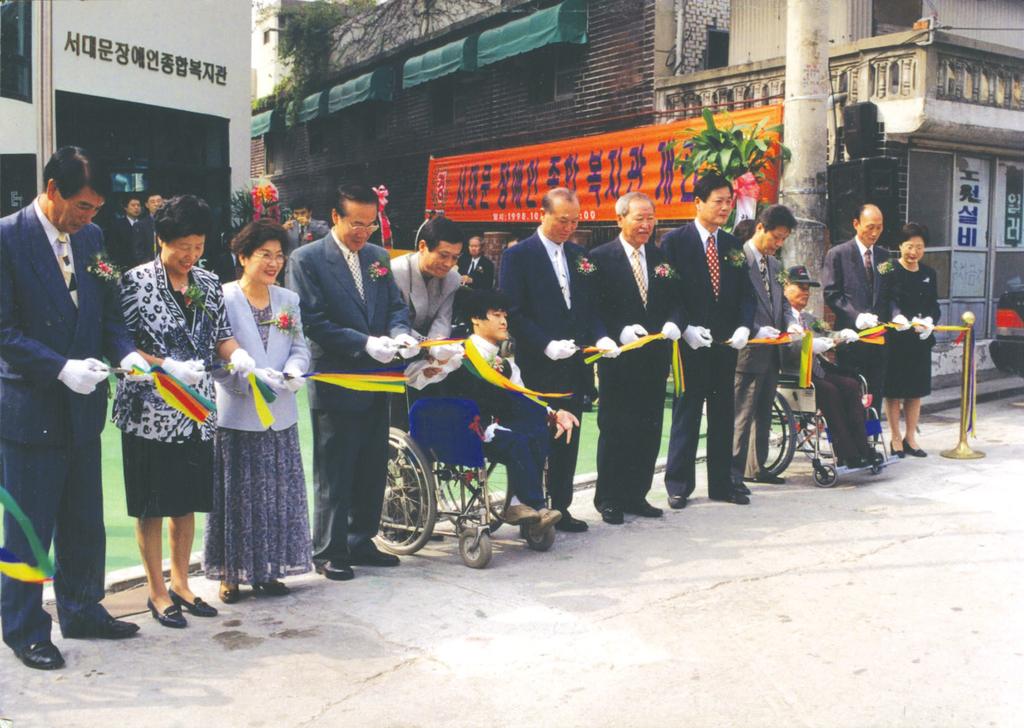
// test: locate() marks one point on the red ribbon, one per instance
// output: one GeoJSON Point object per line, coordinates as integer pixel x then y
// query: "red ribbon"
{"type": "Point", "coordinates": [385, 224]}
{"type": "Point", "coordinates": [746, 185]}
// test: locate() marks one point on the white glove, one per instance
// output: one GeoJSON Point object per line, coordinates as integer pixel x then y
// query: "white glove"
{"type": "Point", "coordinates": [82, 375]}
{"type": "Point", "coordinates": [242, 364]}
{"type": "Point", "coordinates": [444, 352]}
{"type": "Point", "coordinates": [795, 329]}
{"type": "Point", "coordinates": [848, 336]}
{"type": "Point", "coordinates": [271, 377]}
{"type": "Point", "coordinates": [866, 321]}
{"type": "Point", "coordinates": [670, 331]}
{"type": "Point", "coordinates": [631, 333]}
{"type": "Point", "coordinates": [697, 337]}
{"type": "Point", "coordinates": [294, 381]}
{"type": "Point", "coordinates": [767, 332]}
{"type": "Point", "coordinates": [901, 322]}
{"type": "Point", "coordinates": [739, 338]}
{"type": "Point", "coordinates": [821, 344]}
{"type": "Point", "coordinates": [560, 349]}
{"type": "Point", "coordinates": [408, 346]}
{"type": "Point", "coordinates": [608, 348]}
{"type": "Point", "coordinates": [454, 361]}
{"type": "Point", "coordinates": [924, 327]}
{"type": "Point", "coordinates": [135, 359]}
{"type": "Point", "coordinates": [189, 372]}
{"type": "Point", "coordinates": [381, 348]}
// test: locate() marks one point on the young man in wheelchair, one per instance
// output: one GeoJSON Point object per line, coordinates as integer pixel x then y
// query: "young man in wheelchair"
{"type": "Point", "coordinates": [516, 430]}
{"type": "Point", "coordinates": [837, 394]}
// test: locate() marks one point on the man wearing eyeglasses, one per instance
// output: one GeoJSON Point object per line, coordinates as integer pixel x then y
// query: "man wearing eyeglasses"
{"type": "Point", "coordinates": [355, 320]}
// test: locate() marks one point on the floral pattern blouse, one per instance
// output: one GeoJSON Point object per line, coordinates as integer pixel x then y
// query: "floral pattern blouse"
{"type": "Point", "coordinates": [161, 327]}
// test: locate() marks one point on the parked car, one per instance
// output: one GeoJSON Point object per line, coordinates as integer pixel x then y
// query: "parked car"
{"type": "Point", "coordinates": [1008, 348]}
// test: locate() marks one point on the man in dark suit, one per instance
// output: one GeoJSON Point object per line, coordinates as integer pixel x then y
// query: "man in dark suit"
{"type": "Point", "coordinates": [354, 319]}
{"type": "Point", "coordinates": [718, 300]}
{"type": "Point", "coordinates": [127, 244]}
{"type": "Point", "coordinates": [476, 269]}
{"type": "Point", "coordinates": [636, 294]}
{"type": "Point", "coordinates": [552, 317]}
{"type": "Point", "coordinates": [302, 228]}
{"type": "Point", "coordinates": [757, 367]}
{"type": "Point", "coordinates": [852, 288]}
{"type": "Point", "coordinates": [154, 201]}
{"type": "Point", "coordinates": [57, 317]}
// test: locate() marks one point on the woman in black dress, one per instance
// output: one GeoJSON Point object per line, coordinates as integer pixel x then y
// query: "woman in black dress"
{"type": "Point", "coordinates": [911, 296]}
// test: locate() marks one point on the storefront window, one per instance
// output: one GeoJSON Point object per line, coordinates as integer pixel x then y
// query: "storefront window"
{"type": "Point", "coordinates": [16, 50]}
{"type": "Point", "coordinates": [1008, 222]}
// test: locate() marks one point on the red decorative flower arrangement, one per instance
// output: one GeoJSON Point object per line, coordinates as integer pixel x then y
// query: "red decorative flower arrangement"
{"type": "Point", "coordinates": [104, 269]}
{"type": "Point", "coordinates": [266, 201]}
{"type": "Point", "coordinates": [585, 267]}
{"type": "Point", "coordinates": [665, 271]}
{"type": "Point", "coordinates": [285, 321]}
{"type": "Point", "coordinates": [378, 270]}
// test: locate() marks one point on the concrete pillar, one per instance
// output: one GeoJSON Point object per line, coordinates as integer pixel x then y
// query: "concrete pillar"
{"type": "Point", "coordinates": [804, 181]}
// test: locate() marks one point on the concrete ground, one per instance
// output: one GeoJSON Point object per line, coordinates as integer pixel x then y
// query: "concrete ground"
{"type": "Point", "coordinates": [892, 600]}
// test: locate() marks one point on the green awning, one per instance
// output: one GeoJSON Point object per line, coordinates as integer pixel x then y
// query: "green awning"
{"type": "Point", "coordinates": [562, 23]}
{"type": "Point", "coordinates": [457, 56]}
{"type": "Point", "coordinates": [312, 107]}
{"type": "Point", "coordinates": [377, 85]}
{"type": "Point", "coordinates": [267, 121]}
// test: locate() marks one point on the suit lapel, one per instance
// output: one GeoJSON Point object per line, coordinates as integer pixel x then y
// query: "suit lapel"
{"type": "Point", "coordinates": [418, 295]}
{"type": "Point", "coordinates": [548, 271]}
{"type": "Point", "coordinates": [366, 258]}
{"type": "Point", "coordinates": [701, 258]}
{"type": "Point", "coordinates": [755, 278]}
{"type": "Point", "coordinates": [341, 274]}
{"type": "Point", "coordinates": [774, 269]}
{"type": "Point", "coordinates": [45, 262]}
{"type": "Point", "coordinates": [174, 310]}
{"type": "Point", "coordinates": [87, 285]}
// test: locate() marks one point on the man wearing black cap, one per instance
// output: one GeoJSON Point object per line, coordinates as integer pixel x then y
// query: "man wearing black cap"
{"type": "Point", "coordinates": [837, 395]}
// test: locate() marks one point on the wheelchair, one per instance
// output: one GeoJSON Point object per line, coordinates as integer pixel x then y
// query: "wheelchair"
{"type": "Point", "coordinates": [797, 425]}
{"type": "Point", "coordinates": [437, 471]}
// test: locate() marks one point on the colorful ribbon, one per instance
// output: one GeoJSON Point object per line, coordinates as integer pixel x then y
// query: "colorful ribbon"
{"type": "Point", "coordinates": [385, 224]}
{"type": "Point", "coordinates": [642, 341]}
{"type": "Point", "coordinates": [382, 380]}
{"type": "Point", "coordinates": [475, 362]}
{"type": "Point", "coordinates": [678, 383]}
{"type": "Point", "coordinates": [806, 359]}
{"type": "Point", "coordinates": [10, 564]}
{"type": "Point", "coordinates": [179, 395]}
{"type": "Point", "coordinates": [262, 395]}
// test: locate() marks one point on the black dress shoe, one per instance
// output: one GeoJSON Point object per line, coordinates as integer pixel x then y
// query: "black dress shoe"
{"type": "Point", "coordinates": [732, 496]}
{"type": "Point", "coordinates": [914, 451]}
{"type": "Point", "coordinates": [110, 629]}
{"type": "Point", "coordinates": [272, 588]}
{"type": "Point", "coordinates": [741, 488]}
{"type": "Point", "coordinates": [644, 509]}
{"type": "Point", "coordinates": [570, 524]}
{"type": "Point", "coordinates": [198, 608]}
{"type": "Point", "coordinates": [170, 617]}
{"type": "Point", "coordinates": [335, 570]}
{"type": "Point", "coordinates": [612, 515]}
{"type": "Point", "coordinates": [898, 453]}
{"type": "Point", "coordinates": [677, 502]}
{"type": "Point", "coordinates": [40, 656]}
{"type": "Point", "coordinates": [765, 477]}
{"type": "Point", "coordinates": [370, 555]}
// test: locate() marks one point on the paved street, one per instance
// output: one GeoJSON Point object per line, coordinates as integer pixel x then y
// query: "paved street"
{"type": "Point", "coordinates": [892, 600]}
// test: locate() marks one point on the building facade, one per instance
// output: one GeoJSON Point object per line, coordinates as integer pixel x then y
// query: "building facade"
{"type": "Point", "coordinates": [159, 91]}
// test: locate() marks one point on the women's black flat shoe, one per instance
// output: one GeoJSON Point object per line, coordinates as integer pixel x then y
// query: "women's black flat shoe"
{"type": "Point", "coordinates": [198, 608]}
{"type": "Point", "coordinates": [915, 452]}
{"type": "Point", "coordinates": [897, 453]}
{"type": "Point", "coordinates": [272, 588]}
{"type": "Point", "coordinates": [171, 617]}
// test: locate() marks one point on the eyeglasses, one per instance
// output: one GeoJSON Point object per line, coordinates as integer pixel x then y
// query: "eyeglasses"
{"type": "Point", "coordinates": [361, 227]}
{"type": "Point", "coordinates": [264, 257]}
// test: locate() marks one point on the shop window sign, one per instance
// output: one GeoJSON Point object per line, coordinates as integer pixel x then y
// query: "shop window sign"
{"type": "Point", "coordinates": [970, 202]}
{"type": "Point", "coordinates": [146, 59]}
{"type": "Point", "coordinates": [1013, 199]}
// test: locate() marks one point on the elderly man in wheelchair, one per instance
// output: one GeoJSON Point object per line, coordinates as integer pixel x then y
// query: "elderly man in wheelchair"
{"type": "Point", "coordinates": [466, 419]}
{"type": "Point", "coordinates": [838, 395]}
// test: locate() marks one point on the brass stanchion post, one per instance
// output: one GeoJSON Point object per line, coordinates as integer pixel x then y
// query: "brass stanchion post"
{"type": "Point", "coordinates": [963, 451]}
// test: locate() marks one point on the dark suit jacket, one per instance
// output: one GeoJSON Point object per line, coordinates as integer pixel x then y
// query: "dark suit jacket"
{"type": "Point", "coordinates": [128, 245]}
{"type": "Point", "coordinates": [735, 305]}
{"type": "Point", "coordinates": [619, 304]}
{"type": "Point", "coordinates": [483, 276]}
{"type": "Point", "coordinates": [147, 237]}
{"type": "Point", "coordinates": [845, 283]}
{"type": "Point", "coordinates": [40, 329]}
{"type": "Point", "coordinates": [776, 313]}
{"type": "Point", "coordinates": [337, 321]}
{"type": "Point", "coordinates": [538, 315]}
{"type": "Point", "coordinates": [299, 236]}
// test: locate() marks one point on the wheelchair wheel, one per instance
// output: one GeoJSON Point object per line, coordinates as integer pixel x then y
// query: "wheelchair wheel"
{"type": "Point", "coordinates": [825, 476]}
{"type": "Point", "coordinates": [537, 541]}
{"type": "Point", "coordinates": [410, 509]}
{"type": "Point", "coordinates": [475, 556]}
{"type": "Point", "coordinates": [782, 438]}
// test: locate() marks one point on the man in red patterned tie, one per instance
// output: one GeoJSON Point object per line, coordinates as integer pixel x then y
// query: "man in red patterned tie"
{"type": "Point", "coordinates": [717, 301]}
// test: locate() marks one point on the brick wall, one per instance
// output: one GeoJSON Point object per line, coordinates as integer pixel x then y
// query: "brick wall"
{"type": "Point", "coordinates": [609, 84]}
{"type": "Point", "coordinates": [701, 15]}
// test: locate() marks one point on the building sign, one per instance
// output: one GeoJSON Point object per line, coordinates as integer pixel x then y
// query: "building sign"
{"type": "Point", "coordinates": [968, 279]}
{"type": "Point", "coordinates": [970, 202]}
{"type": "Point", "coordinates": [1010, 195]}
{"type": "Point", "coordinates": [108, 51]}
{"type": "Point", "coordinates": [506, 185]}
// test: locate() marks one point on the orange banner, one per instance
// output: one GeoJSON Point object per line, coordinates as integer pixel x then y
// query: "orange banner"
{"type": "Point", "coordinates": [506, 185]}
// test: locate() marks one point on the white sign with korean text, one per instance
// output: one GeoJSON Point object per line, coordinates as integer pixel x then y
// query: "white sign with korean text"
{"type": "Point", "coordinates": [1008, 222]}
{"type": "Point", "coordinates": [970, 202]}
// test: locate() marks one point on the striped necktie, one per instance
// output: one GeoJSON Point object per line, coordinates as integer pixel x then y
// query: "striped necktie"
{"type": "Point", "coordinates": [638, 274]}
{"type": "Point", "coordinates": [66, 266]}
{"type": "Point", "coordinates": [357, 273]}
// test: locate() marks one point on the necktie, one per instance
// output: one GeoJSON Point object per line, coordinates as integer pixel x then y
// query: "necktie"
{"type": "Point", "coordinates": [869, 269]}
{"type": "Point", "coordinates": [472, 267]}
{"type": "Point", "coordinates": [66, 268]}
{"type": "Point", "coordinates": [563, 279]}
{"type": "Point", "coordinates": [357, 273]}
{"type": "Point", "coordinates": [763, 265]}
{"type": "Point", "coordinates": [641, 279]}
{"type": "Point", "coordinates": [713, 269]}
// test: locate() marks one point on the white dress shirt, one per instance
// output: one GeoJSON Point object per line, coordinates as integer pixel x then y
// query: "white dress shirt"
{"type": "Point", "coordinates": [629, 249]}
{"type": "Point", "coordinates": [51, 232]}
{"type": "Point", "coordinates": [704, 235]}
{"type": "Point", "coordinates": [559, 264]}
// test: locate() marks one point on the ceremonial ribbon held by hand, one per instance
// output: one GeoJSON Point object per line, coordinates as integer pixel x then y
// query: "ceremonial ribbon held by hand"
{"type": "Point", "coordinates": [379, 380]}
{"type": "Point", "coordinates": [478, 365]}
{"type": "Point", "coordinates": [11, 564]}
{"type": "Point", "coordinates": [262, 395]}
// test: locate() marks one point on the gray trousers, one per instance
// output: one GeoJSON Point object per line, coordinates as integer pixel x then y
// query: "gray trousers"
{"type": "Point", "coordinates": [754, 396]}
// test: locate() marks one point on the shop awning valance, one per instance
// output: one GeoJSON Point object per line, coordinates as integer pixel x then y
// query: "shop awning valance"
{"type": "Point", "coordinates": [312, 107]}
{"type": "Point", "coordinates": [377, 85]}
{"type": "Point", "coordinates": [562, 23]}
{"type": "Point", "coordinates": [266, 122]}
{"type": "Point", "coordinates": [450, 58]}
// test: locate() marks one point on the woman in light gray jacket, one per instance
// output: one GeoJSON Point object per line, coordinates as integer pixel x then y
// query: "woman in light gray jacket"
{"type": "Point", "coordinates": [258, 530]}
